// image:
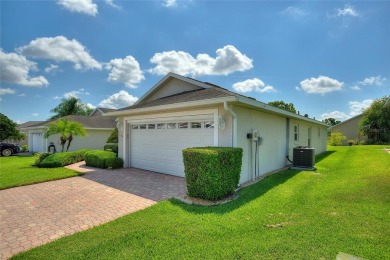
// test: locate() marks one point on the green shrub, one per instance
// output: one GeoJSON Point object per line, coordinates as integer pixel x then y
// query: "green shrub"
{"type": "Point", "coordinates": [64, 158]}
{"type": "Point", "coordinates": [113, 138]}
{"type": "Point", "coordinates": [112, 147]}
{"type": "Point", "coordinates": [97, 158]}
{"type": "Point", "coordinates": [114, 163]}
{"type": "Point", "coordinates": [24, 148]}
{"type": "Point", "coordinates": [212, 172]}
{"type": "Point", "coordinates": [336, 138]}
{"type": "Point", "coordinates": [41, 157]}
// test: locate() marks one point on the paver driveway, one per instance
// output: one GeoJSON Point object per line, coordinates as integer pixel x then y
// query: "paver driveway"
{"type": "Point", "coordinates": [36, 214]}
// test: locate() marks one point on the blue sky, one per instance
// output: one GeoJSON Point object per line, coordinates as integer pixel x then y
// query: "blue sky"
{"type": "Point", "coordinates": [329, 58]}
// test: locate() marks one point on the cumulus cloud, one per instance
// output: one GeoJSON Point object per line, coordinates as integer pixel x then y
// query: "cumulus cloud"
{"type": "Point", "coordinates": [52, 68]}
{"type": "Point", "coordinates": [126, 71]}
{"type": "Point", "coordinates": [169, 3]}
{"type": "Point", "coordinates": [60, 49]}
{"type": "Point", "coordinates": [90, 105]}
{"type": "Point", "coordinates": [76, 93]}
{"type": "Point", "coordinates": [79, 6]}
{"type": "Point", "coordinates": [6, 91]}
{"type": "Point", "coordinates": [321, 85]}
{"type": "Point", "coordinates": [227, 60]}
{"type": "Point", "coordinates": [358, 107]}
{"type": "Point", "coordinates": [250, 85]}
{"type": "Point", "coordinates": [347, 11]}
{"type": "Point", "coordinates": [294, 12]}
{"type": "Point", "coordinates": [15, 69]}
{"type": "Point", "coordinates": [373, 81]}
{"type": "Point", "coordinates": [336, 115]}
{"type": "Point", "coordinates": [118, 100]}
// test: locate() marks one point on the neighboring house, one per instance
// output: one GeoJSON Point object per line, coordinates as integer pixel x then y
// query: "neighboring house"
{"type": "Point", "coordinates": [349, 128]}
{"type": "Point", "coordinates": [180, 112]}
{"type": "Point", "coordinates": [98, 128]}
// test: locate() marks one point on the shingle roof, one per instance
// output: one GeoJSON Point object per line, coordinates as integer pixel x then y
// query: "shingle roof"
{"type": "Point", "coordinates": [97, 121]}
{"type": "Point", "coordinates": [30, 123]}
{"type": "Point", "coordinates": [194, 95]}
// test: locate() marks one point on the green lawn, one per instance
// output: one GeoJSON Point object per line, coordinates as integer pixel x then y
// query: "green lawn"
{"type": "Point", "coordinates": [344, 206]}
{"type": "Point", "coordinates": [18, 171]}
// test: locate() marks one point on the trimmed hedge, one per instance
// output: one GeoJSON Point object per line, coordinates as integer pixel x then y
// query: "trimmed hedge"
{"type": "Point", "coordinates": [103, 159]}
{"type": "Point", "coordinates": [111, 147]}
{"type": "Point", "coordinates": [212, 173]}
{"type": "Point", "coordinates": [61, 159]}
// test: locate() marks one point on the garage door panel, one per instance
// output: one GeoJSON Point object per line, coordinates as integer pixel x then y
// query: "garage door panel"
{"type": "Point", "coordinates": [160, 150]}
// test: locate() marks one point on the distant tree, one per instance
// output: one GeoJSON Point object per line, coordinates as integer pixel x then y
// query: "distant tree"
{"type": "Point", "coordinates": [113, 138]}
{"type": "Point", "coordinates": [375, 122]}
{"type": "Point", "coordinates": [283, 105]}
{"type": "Point", "coordinates": [66, 129]}
{"type": "Point", "coordinates": [331, 121]}
{"type": "Point", "coordinates": [8, 130]}
{"type": "Point", "coordinates": [70, 106]}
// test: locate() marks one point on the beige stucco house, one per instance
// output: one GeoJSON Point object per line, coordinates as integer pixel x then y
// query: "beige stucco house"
{"type": "Point", "coordinates": [180, 112]}
{"type": "Point", "coordinates": [349, 128]}
{"type": "Point", "coordinates": [98, 129]}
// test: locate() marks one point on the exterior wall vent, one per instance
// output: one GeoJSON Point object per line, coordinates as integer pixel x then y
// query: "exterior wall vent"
{"type": "Point", "coordinates": [303, 157]}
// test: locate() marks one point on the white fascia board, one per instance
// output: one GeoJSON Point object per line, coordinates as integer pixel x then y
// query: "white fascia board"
{"type": "Point", "coordinates": [167, 77]}
{"type": "Point", "coordinates": [276, 110]}
{"type": "Point", "coordinates": [189, 104]}
{"type": "Point", "coordinates": [34, 128]}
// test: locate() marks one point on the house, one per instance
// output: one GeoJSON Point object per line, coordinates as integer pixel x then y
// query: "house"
{"type": "Point", "coordinates": [180, 112]}
{"type": "Point", "coordinates": [349, 128]}
{"type": "Point", "coordinates": [98, 128]}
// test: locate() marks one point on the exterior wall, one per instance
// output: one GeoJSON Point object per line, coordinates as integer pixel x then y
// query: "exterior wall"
{"type": "Point", "coordinates": [349, 128]}
{"type": "Point", "coordinates": [272, 151]}
{"type": "Point", "coordinates": [172, 87]}
{"type": "Point", "coordinates": [94, 141]}
{"type": "Point", "coordinates": [317, 140]}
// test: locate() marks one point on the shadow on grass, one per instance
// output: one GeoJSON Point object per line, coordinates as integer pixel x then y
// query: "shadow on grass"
{"type": "Point", "coordinates": [324, 155]}
{"type": "Point", "coordinates": [246, 194]}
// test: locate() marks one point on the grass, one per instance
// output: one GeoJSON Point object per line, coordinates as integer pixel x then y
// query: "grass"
{"type": "Point", "coordinates": [18, 171]}
{"type": "Point", "coordinates": [344, 206]}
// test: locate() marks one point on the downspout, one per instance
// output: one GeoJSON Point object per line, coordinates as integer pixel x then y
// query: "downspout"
{"type": "Point", "coordinates": [287, 140]}
{"type": "Point", "coordinates": [226, 107]}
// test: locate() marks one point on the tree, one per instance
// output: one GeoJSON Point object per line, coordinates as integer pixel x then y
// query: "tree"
{"type": "Point", "coordinates": [283, 105]}
{"type": "Point", "coordinates": [70, 106]}
{"type": "Point", "coordinates": [331, 121]}
{"type": "Point", "coordinates": [375, 122]}
{"type": "Point", "coordinates": [66, 129]}
{"type": "Point", "coordinates": [8, 129]}
{"type": "Point", "coordinates": [113, 138]}
{"type": "Point", "coordinates": [336, 138]}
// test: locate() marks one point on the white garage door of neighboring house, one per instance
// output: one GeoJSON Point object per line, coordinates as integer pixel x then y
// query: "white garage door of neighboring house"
{"type": "Point", "coordinates": [157, 146]}
{"type": "Point", "coordinates": [37, 142]}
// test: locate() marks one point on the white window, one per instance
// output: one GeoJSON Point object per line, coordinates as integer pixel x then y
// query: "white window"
{"type": "Point", "coordinates": [151, 126]}
{"type": "Point", "coordinates": [161, 126]}
{"type": "Point", "coordinates": [142, 126]}
{"type": "Point", "coordinates": [171, 125]}
{"type": "Point", "coordinates": [296, 132]}
{"type": "Point", "coordinates": [209, 124]}
{"type": "Point", "coordinates": [196, 125]}
{"type": "Point", "coordinates": [183, 125]}
{"type": "Point", "coordinates": [134, 127]}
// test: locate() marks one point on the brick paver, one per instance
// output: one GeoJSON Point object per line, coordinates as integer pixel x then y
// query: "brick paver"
{"type": "Point", "coordinates": [36, 214]}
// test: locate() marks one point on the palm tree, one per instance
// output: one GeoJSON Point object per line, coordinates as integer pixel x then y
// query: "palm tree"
{"type": "Point", "coordinates": [70, 106]}
{"type": "Point", "coordinates": [66, 129]}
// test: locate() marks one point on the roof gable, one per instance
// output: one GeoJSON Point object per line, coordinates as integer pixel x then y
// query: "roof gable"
{"type": "Point", "coordinates": [171, 85]}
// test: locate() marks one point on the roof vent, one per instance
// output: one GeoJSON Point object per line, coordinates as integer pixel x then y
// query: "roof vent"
{"type": "Point", "coordinates": [303, 157]}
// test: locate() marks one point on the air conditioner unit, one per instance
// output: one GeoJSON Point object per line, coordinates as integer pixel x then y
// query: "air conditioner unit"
{"type": "Point", "coordinates": [303, 157]}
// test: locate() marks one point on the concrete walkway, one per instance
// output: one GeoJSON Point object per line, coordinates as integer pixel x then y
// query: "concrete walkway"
{"type": "Point", "coordinates": [37, 214]}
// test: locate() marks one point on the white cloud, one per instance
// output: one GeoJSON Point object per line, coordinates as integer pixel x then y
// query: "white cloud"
{"type": "Point", "coordinates": [126, 71]}
{"type": "Point", "coordinates": [228, 60]}
{"type": "Point", "coordinates": [6, 91]}
{"type": "Point", "coordinates": [294, 12]}
{"type": "Point", "coordinates": [52, 68]}
{"type": "Point", "coordinates": [15, 69]}
{"type": "Point", "coordinates": [22, 95]}
{"type": "Point", "coordinates": [377, 81]}
{"type": "Point", "coordinates": [35, 114]}
{"type": "Point", "coordinates": [90, 105]}
{"type": "Point", "coordinates": [250, 85]}
{"type": "Point", "coordinates": [60, 49]}
{"type": "Point", "coordinates": [118, 100]}
{"type": "Point", "coordinates": [321, 85]}
{"type": "Point", "coordinates": [336, 115]}
{"type": "Point", "coordinates": [355, 87]}
{"type": "Point", "coordinates": [76, 93]}
{"type": "Point", "coordinates": [169, 3]}
{"type": "Point", "coordinates": [347, 11]}
{"type": "Point", "coordinates": [80, 6]}
{"type": "Point", "coordinates": [111, 3]}
{"type": "Point", "coordinates": [358, 107]}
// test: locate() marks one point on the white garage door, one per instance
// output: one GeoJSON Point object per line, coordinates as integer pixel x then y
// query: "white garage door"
{"type": "Point", "coordinates": [37, 142]}
{"type": "Point", "coordinates": [157, 146]}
